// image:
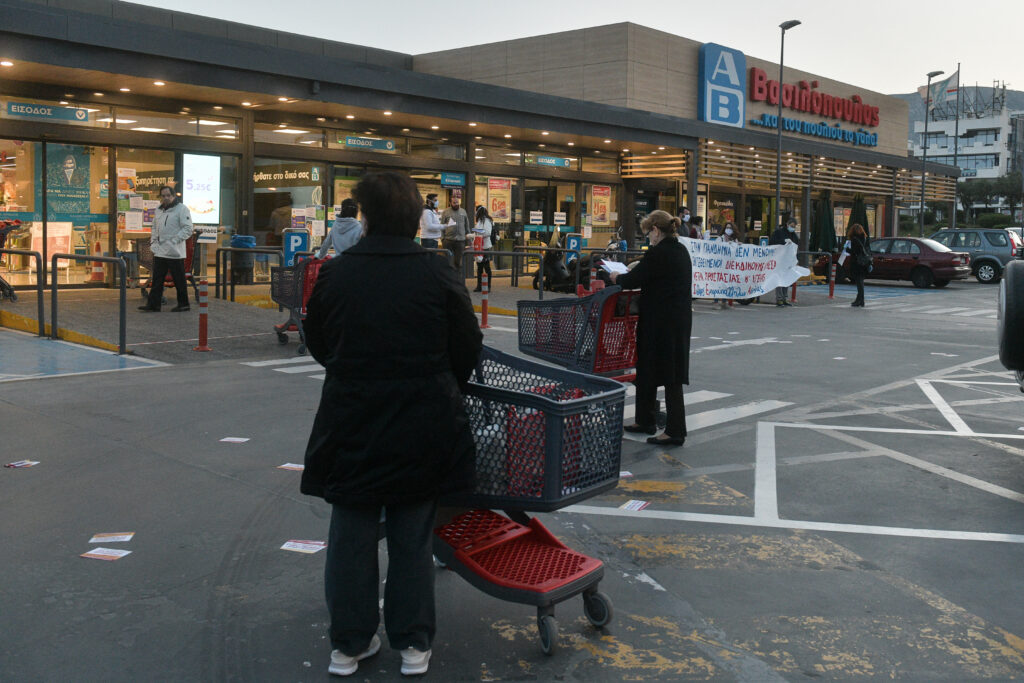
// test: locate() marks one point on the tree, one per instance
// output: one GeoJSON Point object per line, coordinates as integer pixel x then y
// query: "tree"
{"type": "Point", "coordinates": [986, 192]}
{"type": "Point", "coordinates": [969, 192]}
{"type": "Point", "coordinates": [1009, 187]}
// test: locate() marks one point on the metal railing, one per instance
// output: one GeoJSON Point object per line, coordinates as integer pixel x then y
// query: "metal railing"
{"type": "Point", "coordinates": [39, 283]}
{"type": "Point", "coordinates": [222, 279]}
{"type": "Point", "coordinates": [122, 270]}
{"type": "Point", "coordinates": [515, 255]}
{"type": "Point", "coordinates": [829, 275]}
{"type": "Point", "coordinates": [541, 251]}
{"type": "Point", "coordinates": [447, 253]}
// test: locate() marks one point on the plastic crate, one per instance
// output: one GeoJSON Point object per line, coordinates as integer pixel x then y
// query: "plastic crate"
{"type": "Point", "coordinates": [545, 438]}
{"type": "Point", "coordinates": [592, 334]}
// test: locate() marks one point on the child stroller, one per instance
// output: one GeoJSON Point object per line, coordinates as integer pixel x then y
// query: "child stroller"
{"type": "Point", "coordinates": [6, 228]}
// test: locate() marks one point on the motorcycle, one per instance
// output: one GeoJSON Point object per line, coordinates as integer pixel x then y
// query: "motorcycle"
{"type": "Point", "coordinates": [561, 277]}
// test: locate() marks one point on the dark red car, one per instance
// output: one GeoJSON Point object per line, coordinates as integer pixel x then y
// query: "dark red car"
{"type": "Point", "coordinates": [924, 262]}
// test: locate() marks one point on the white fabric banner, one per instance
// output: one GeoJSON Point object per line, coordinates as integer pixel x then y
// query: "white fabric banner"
{"type": "Point", "coordinates": [734, 270]}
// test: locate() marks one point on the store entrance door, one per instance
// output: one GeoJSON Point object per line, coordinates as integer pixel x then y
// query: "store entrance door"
{"type": "Point", "coordinates": [77, 211]}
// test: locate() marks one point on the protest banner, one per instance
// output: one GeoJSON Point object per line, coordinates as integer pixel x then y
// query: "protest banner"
{"type": "Point", "coordinates": [735, 270]}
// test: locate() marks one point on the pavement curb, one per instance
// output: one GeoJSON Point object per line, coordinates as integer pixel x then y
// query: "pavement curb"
{"type": "Point", "coordinates": [23, 324]}
{"type": "Point", "coordinates": [496, 310]}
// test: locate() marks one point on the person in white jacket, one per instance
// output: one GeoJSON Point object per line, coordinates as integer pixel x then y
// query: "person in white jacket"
{"type": "Point", "coordinates": [346, 231]}
{"type": "Point", "coordinates": [172, 226]}
{"type": "Point", "coordinates": [430, 224]}
{"type": "Point", "coordinates": [484, 227]}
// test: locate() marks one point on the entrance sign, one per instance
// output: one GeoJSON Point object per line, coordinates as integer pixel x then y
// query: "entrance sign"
{"type": "Point", "coordinates": [28, 110]}
{"type": "Point", "coordinates": [559, 217]}
{"type": "Point", "coordinates": [201, 187]}
{"type": "Point", "coordinates": [558, 162]}
{"type": "Point", "coordinates": [449, 179]}
{"type": "Point", "coordinates": [723, 82]}
{"type": "Point", "coordinates": [734, 270]}
{"type": "Point", "coordinates": [376, 144]}
{"type": "Point", "coordinates": [536, 217]}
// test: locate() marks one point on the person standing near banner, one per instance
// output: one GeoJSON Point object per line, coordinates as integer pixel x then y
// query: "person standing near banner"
{"type": "Point", "coordinates": [857, 250]}
{"type": "Point", "coordinates": [779, 237]}
{"type": "Point", "coordinates": [664, 277]}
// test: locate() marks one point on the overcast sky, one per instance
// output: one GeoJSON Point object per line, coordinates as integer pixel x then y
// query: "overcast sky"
{"type": "Point", "coordinates": [886, 46]}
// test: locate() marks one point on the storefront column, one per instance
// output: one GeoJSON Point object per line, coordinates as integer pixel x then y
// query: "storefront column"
{"type": "Point", "coordinates": [692, 162]}
{"type": "Point", "coordinates": [891, 219]}
{"type": "Point", "coordinates": [741, 211]}
{"type": "Point", "coordinates": [247, 166]}
{"type": "Point", "coordinates": [805, 211]}
{"type": "Point", "coordinates": [111, 210]}
{"type": "Point", "coordinates": [470, 202]}
{"type": "Point", "coordinates": [627, 209]}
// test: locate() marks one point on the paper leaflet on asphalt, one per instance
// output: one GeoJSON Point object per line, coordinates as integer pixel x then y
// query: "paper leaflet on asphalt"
{"type": "Point", "coordinates": [734, 270]}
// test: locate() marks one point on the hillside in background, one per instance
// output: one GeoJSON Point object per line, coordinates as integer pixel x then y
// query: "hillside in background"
{"type": "Point", "coordinates": [1014, 102]}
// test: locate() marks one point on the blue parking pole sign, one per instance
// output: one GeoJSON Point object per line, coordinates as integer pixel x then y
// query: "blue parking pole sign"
{"type": "Point", "coordinates": [295, 241]}
{"type": "Point", "coordinates": [573, 241]}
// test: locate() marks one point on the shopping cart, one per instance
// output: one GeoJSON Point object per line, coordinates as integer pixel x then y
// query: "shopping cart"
{"type": "Point", "coordinates": [145, 257]}
{"type": "Point", "coordinates": [593, 334]}
{"type": "Point", "coordinates": [290, 287]}
{"type": "Point", "coordinates": [6, 228]}
{"type": "Point", "coordinates": [545, 438]}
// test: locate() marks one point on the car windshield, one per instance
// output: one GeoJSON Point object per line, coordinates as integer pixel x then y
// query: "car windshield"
{"type": "Point", "coordinates": [933, 245]}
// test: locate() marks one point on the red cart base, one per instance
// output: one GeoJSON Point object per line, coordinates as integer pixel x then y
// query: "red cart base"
{"type": "Point", "coordinates": [523, 564]}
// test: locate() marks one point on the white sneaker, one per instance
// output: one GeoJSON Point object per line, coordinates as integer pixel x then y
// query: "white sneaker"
{"type": "Point", "coordinates": [414, 662]}
{"type": "Point", "coordinates": [343, 665]}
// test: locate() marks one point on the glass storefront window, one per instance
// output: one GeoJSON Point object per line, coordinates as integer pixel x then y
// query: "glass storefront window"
{"type": "Point", "coordinates": [281, 187]}
{"type": "Point", "coordinates": [366, 141]}
{"type": "Point", "coordinates": [499, 155]}
{"type": "Point", "coordinates": [283, 134]}
{"type": "Point", "coordinates": [600, 211]}
{"type": "Point", "coordinates": [501, 197]}
{"type": "Point", "coordinates": [437, 149]}
{"type": "Point", "coordinates": [600, 165]}
{"type": "Point", "coordinates": [44, 111]}
{"type": "Point", "coordinates": [174, 124]}
{"type": "Point", "coordinates": [77, 201]}
{"type": "Point", "coordinates": [20, 199]}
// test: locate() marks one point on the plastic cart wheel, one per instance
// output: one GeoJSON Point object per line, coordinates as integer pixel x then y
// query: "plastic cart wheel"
{"type": "Point", "coordinates": [548, 630]}
{"type": "Point", "coordinates": [301, 350]}
{"type": "Point", "coordinates": [282, 338]}
{"type": "Point", "coordinates": [598, 608]}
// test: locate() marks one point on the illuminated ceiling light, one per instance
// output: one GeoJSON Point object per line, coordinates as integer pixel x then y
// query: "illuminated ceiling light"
{"type": "Point", "coordinates": [472, 124]}
{"type": "Point", "coordinates": [291, 131]}
{"type": "Point", "coordinates": [144, 129]}
{"type": "Point", "coordinates": [209, 122]}
{"type": "Point", "coordinates": [508, 135]}
{"type": "Point", "coordinates": [282, 125]}
{"type": "Point", "coordinates": [660, 148]}
{"type": "Point", "coordinates": [607, 142]}
{"type": "Point", "coordinates": [789, 154]}
{"type": "Point", "coordinates": [97, 94]}
{"type": "Point", "coordinates": [282, 99]}
{"type": "Point", "coordinates": [756, 155]}
{"type": "Point", "coordinates": [125, 89]}
{"type": "Point", "coordinates": [321, 119]}
{"type": "Point", "coordinates": [186, 109]}
{"type": "Point", "coordinates": [108, 119]}
{"type": "Point", "coordinates": [217, 107]}
{"type": "Point", "coordinates": [226, 137]}
{"type": "Point", "coordinates": [63, 102]}
{"type": "Point", "coordinates": [387, 113]}
{"type": "Point", "coordinates": [6, 62]}
{"type": "Point", "coordinates": [711, 142]}
{"type": "Point", "coordinates": [653, 152]}
{"type": "Point", "coordinates": [626, 149]}
{"type": "Point", "coordinates": [405, 130]}
{"type": "Point", "coordinates": [159, 83]}
{"type": "Point", "coordinates": [542, 145]}
{"type": "Point", "coordinates": [597, 151]}
{"type": "Point", "coordinates": [822, 158]}
{"type": "Point", "coordinates": [572, 144]}
{"type": "Point", "coordinates": [544, 132]}
{"type": "Point", "coordinates": [350, 116]}
{"type": "Point", "coordinates": [478, 137]}
{"type": "Point", "coordinates": [246, 104]}
{"type": "Point", "coordinates": [751, 149]}
{"type": "Point", "coordinates": [480, 157]}
{"type": "Point", "coordinates": [434, 127]}
{"type": "Point", "coordinates": [307, 142]}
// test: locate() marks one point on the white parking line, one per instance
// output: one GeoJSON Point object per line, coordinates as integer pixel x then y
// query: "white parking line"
{"type": "Point", "coordinates": [940, 403]}
{"type": "Point", "coordinates": [301, 368]}
{"type": "Point", "coordinates": [972, 313]}
{"type": "Point", "coordinates": [277, 361]}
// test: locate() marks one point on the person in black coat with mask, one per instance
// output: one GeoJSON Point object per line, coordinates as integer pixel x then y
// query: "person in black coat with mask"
{"type": "Point", "coordinates": [664, 278]}
{"type": "Point", "coordinates": [395, 329]}
{"type": "Point", "coordinates": [859, 254]}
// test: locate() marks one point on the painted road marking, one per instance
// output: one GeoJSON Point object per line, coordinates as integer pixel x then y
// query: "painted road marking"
{"type": "Point", "coordinates": [947, 412]}
{"type": "Point", "coordinates": [629, 409]}
{"type": "Point", "coordinates": [302, 368]}
{"type": "Point", "coordinates": [26, 357]}
{"type": "Point", "coordinates": [718, 416]}
{"type": "Point", "coordinates": [970, 313]}
{"type": "Point", "coordinates": [278, 361]}
{"type": "Point", "coordinates": [766, 504]}
{"type": "Point", "coordinates": [740, 342]}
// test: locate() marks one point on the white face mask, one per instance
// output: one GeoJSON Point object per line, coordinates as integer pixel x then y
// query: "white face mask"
{"type": "Point", "coordinates": [728, 231]}
{"type": "Point", "coordinates": [791, 228]}
{"type": "Point", "coordinates": [686, 218]}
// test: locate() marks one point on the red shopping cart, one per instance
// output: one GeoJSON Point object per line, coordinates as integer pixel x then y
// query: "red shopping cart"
{"type": "Point", "coordinates": [545, 438]}
{"type": "Point", "coordinates": [593, 334]}
{"type": "Point", "coordinates": [145, 256]}
{"type": "Point", "coordinates": [6, 228]}
{"type": "Point", "coordinates": [290, 287]}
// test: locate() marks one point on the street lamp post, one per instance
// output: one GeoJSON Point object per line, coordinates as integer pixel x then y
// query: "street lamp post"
{"type": "Point", "coordinates": [924, 145]}
{"type": "Point", "coordinates": [785, 26]}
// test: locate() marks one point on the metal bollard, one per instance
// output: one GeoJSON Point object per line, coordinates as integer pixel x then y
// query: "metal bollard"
{"type": "Point", "coordinates": [203, 309]}
{"type": "Point", "coordinates": [832, 282]}
{"type": "Point", "coordinates": [792, 296]}
{"type": "Point", "coordinates": [485, 286]}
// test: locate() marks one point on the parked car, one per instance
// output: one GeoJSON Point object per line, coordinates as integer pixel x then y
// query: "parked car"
{"type": "Point", "coordinates": [924, 262]}
{"type": "Point", "coordinates": [990, 249]}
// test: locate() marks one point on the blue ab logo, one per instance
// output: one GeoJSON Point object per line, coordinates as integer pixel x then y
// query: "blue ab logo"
{"type": "Point", "coordinates": [723, 84]}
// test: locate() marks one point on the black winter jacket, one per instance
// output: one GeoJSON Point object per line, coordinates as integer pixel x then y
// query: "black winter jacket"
{"type": "Point", "coordinates": [395, 329]}
{"type": "Point", "coordinates": [664, 277]}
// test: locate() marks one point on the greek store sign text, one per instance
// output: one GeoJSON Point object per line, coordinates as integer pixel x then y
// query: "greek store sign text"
{"type": "Point", "coordinates": [819, 130]}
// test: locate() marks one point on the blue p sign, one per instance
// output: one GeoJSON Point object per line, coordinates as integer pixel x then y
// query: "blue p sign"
{"type": "Point", "coordinates": [723, 84]}
{"type": "Point", "coordinates": [294, 242]}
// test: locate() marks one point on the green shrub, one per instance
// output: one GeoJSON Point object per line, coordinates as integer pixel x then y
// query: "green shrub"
{"type": "Point", "coordinates": [994, 220]}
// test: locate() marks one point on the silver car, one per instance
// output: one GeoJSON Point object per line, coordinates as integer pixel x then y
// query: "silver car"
{"type": "Point", "coordinates": [990, 249]}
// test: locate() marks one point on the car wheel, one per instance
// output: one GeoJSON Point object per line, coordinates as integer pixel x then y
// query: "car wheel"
{"type": "Point", "coordinates": [940, 283]}
{"type": "Point", "coordinates": [922, 278]}
{"type": "Point", "coordinates": [987, 273]}
{"type": "Point", "coordinates": [1011, 317]}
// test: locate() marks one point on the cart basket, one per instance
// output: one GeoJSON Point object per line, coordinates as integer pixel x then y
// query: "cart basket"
{"type": "Point", "coordinates": [545, 438]}
{"type": "Point", "coordinates": [286, 285]}
{"type": "Point", "coordinates": [593, 334]}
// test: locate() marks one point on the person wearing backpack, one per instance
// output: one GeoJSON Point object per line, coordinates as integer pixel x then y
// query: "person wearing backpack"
{"type": "Point", "coordinates": [456, 222]}
{"type": "Point", "coordinates": [485, 228]}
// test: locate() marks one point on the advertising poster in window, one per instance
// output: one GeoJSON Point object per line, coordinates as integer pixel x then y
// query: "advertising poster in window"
{"type": "Point", "coordinates": [126, 180]}
{"type": "Point", "coordinates": [67, 180]}
{"type": "Point", "coordinates": [499, 199]}
{"type": "Point", "coordinates": [200, 187]}
{"type": "Point", "coordinates": [602, 200]}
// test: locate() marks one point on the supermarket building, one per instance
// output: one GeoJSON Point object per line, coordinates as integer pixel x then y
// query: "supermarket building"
{"type": "Point", "coordinates": [101, 102]}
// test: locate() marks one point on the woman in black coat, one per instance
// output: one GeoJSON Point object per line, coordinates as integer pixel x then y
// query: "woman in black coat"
{"type": "Point", "coordinates": [395, 329]}
{"type": "Point", "coordinates": [663, 275]}
{"type": "Point", "coordinates": [859, 253]}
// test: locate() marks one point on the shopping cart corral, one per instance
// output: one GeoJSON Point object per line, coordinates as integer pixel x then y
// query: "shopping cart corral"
{"type": "Point", "coordinates": [290, 287]}
{"type": "Point", "coordinates": [545, 438]}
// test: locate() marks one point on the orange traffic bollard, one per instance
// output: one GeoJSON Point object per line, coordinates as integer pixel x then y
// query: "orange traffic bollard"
{"type": "Point", "coordinates": [203, 308]}
{"type": "Point", "coordinates": [485, 286]}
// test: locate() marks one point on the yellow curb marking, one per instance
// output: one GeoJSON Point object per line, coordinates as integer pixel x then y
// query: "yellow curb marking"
{"type": "Point", "coordinates": [20, 322]}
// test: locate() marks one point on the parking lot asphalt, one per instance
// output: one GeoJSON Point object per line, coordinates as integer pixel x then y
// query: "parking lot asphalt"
{"type": "Point", "coordinates": [847, 505]}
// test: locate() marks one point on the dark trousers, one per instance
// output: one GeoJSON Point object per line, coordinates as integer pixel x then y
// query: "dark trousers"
{"type": "Point", "coordinates": [647, 407]}
{"type": "Point", "coordinates": [484, 267]}
{"type": "Point", "coordinates": [162, 266]}
{"type": "Point", "coordinates": [428, 243]}
{"type": "Point", "coordinates": [858, 279]}
{"type": "Point", "coordinates": [780, 294]}
{"type": "Point", "coordinates": [456, 247]}
{"type": "Point", "coordinates": [351, 577]}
